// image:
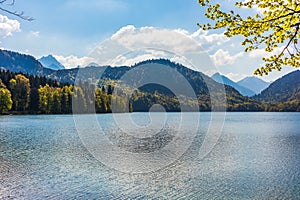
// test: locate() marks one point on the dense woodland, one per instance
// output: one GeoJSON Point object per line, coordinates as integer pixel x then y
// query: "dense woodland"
{"type": "Point", "coordinates": [29, 94]}
{"type": "Point", "coordinates": [38, 95]}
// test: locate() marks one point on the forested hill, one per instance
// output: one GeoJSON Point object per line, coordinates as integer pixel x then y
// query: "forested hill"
{"type": "Point", "coordinates": [104, 78]}
{"type": "Point", "coordinates": [17, 62]}
{"type": "Point", "coordinates": [283, 94]}
{"type": "Point", "coordinates": [284, 89]}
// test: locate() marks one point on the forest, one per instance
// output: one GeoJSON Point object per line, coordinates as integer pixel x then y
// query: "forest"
{"type": "Point", "coordinates": [32, 94]}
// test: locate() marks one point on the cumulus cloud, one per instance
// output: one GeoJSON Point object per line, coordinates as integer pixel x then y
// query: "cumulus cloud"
{"type": "Point", "coordinates": [222, 57]}
{"type": "Point", "coordinates": [171, 40]}
{"type": "Point", "coordinates": [74, 61]}
{"type": "Point", "coordinates": [8, 26]}
{"type": "Point", "coordinates": [174, 40]}
{"type": "Point", "coordinates": [130, 45]}
{"type": "Point", "coordinates": [259, 53]}
{"type": "Point", "coordinates": [208, 40]}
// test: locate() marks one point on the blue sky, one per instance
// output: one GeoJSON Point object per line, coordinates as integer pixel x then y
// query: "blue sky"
{"type": "Point", "coordinates": [71, 29]}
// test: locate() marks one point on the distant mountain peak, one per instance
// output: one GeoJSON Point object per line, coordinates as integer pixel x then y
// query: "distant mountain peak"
{"type": "Point", "coordinates": [51, 62]}
{"type": "Point", "coordinates": [225, 80]}
{"type": "Point", "coordinates": [254, 83]}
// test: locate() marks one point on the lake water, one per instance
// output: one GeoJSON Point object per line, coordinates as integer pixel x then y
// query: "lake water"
{"type": "Point", "coordinates": [257, 156]}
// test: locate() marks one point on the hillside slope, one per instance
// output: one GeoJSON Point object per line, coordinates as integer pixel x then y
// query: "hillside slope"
{"type": "Point", "coordinates": [284, 89]}
{"type": "Point", "coordinates": [17, 62]}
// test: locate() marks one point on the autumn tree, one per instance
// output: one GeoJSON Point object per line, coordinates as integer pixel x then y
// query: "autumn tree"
{"type": "Point", "coordinates": [275, 26]}
{"type": "Point", "coordinates": [5, 98]}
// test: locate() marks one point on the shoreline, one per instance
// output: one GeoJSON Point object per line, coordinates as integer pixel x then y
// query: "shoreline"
{"type": "Point", "coordinates": [25, 114]}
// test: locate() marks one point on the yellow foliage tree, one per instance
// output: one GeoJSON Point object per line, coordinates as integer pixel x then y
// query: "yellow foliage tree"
{"type": "Point", "coordinates": [275, 26]}
{"type": "Point", "coordinates": [5, 98]}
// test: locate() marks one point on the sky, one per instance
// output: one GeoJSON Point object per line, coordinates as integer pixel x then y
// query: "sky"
{"type": "Point", "coordinates": [72, 29]}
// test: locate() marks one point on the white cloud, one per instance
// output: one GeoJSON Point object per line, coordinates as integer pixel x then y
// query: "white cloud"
{"type": "Point", "coordinates": [74, 61]}
{"type": "Point", "coordinates": [222, 58]}
{"type": "Point", "coordinates": [260, 53]}
{"type": "Point", "coordinates": [8, 26]}
{"type": "Point", "coordinates": [131, 37]}
{"type": "Point", "coordinates": [124, 30]}
{"type": "Point", "coordinates": [208, 40]}
{"type": "Point", "coordinates": [122, 60]}
{"type": "Point", "coordinates": [130, 45]}
{"type": "Point", "coordinates": [204, 38]}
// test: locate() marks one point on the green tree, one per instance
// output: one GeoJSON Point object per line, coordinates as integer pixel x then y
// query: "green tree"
{"type": "Point", "coordinates": [56, 104]}
{"type": "Point", "coordinates": [5, 98]}
{"type": "Point", "coordinates": [34, 100]}
{"type": "Point", "coordinates": [274, 26]}
{"type": "Point", "coordinates": [20, 88]}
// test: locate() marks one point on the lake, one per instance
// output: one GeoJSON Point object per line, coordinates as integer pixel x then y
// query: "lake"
{"type": "Point", "coordinates": [256, 156]}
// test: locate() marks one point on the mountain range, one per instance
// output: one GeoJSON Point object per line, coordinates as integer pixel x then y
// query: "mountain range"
{"type": "Point", "coordinates": [249, 86]}
{"type": "Point", "coordinates": [286, 89]}
{"type": "Point", "coordinates": [253, 83]}
{"type": "Point", "coordinates": [243, 90]}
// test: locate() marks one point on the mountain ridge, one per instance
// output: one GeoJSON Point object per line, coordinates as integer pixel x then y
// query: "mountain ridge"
{"type": "Point", "coordinates": [283, 89]}
{"type": "Point", "coordinates": [253, 83]}
{"type": "Point", "coordinates": [242, 90]}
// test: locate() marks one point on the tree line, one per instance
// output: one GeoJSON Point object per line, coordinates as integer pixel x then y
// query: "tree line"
{"type": "Point", "coordinates": [29, 94]}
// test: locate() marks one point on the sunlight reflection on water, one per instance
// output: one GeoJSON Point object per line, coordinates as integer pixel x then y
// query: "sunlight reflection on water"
{"type": "Point", "coordinates": [257, 157]}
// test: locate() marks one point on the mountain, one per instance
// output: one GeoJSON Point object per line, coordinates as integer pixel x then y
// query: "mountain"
{"type": "Point", "coordinates": [241, 89]}
{"type": "Point", "coordinates": [284, 89]}
{"type": "Point", "coordinates": [253, 83]}
{"type": "Point", "coordinates": [51, 63]}
{"type": "Point", "coordinates": [171, 73]}
{"type": "Point", "coordinates": [17, 62]}
{"type": "Point", "coordinates": [111, 76]}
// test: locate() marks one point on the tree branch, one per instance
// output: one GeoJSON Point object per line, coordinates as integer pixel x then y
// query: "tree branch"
{"type": "Point", "coordinates": [15, 13]}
